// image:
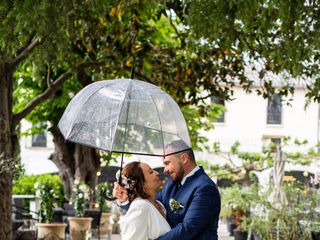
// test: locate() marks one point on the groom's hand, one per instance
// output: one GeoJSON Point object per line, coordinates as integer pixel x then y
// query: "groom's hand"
{"type": "Point", "coordinates": [120, 193]}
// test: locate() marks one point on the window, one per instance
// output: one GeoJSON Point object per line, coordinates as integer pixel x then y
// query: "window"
{"type": "Point", "coordinates": [39, 139]}
{"type": "Point", "coordinates": [274, 110]}
{"type": "Point", "coordinates": [218, 100]}
{"type": "Point", "coordinates": [277, 143]}
{"type": "Point", "coordinates": [275, 140]}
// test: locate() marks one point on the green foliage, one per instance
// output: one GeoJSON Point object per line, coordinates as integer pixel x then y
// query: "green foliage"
{"type": "Point", "coordinates": [295, 221]}
{"type": "Point", "coordinates": [136, 33]}
{"type": "Point", "coordinates": [25, 185]}
{"type": "Point", "coordinates": [80, 197]}
{"type": "Point", "coordinates": [239, 166]}
{"type": "Point", "coordinates": [107, 158]}
{"type": "Point", "coordinates": [236, 198]}
{"type": "Point", "coordinates": [11, 165]}
{"type": "Point", "coordinates": [102, 190]}
{"type": "Point", "coordinates": [208, 167]}
{"type": "Point", "coordinates": [200, 119]}
{"type": "Point", "coordinates": [281, 35]}
{"type": "Point", "coordinates": [45, 192]}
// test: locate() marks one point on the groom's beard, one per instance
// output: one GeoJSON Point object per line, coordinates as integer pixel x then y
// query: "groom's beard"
{"type": "Point", "coordinates": [179, 175]}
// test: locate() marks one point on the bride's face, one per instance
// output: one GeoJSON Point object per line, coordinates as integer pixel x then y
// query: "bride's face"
{"type": "Point", "coordinates": [152, 180]}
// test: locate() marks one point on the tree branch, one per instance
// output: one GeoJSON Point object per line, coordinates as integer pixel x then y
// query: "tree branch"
{"type": "Point", "coordinates": [24, 52]}
{"type": "Point", "coordinates": [183, 43]}
{"type": "Point", "coordinates": [52, 88]}
{"type": "Point", "coordinates": [42, 97]}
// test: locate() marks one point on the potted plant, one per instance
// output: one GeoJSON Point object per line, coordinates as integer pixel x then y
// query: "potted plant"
{"type": "Point", "coordinates": [296, 220]}
{"type": "Point", "coordinates": [227, 211]}
{"type": "Point", "coordinates": [47, 228]}
{"type": "Point", "coordinates": [80, 226]}
{"type": "Point", "coordinates": [102, 190]}
{"type": "Point", "coordinates": [235, 204]}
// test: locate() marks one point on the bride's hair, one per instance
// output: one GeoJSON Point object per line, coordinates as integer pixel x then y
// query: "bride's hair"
{"type": "Point", "coordinates": [133, 180]}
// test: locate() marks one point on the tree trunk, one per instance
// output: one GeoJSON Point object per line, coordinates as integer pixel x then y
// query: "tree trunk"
{"type": "Point", "coordinates": [6, 151]}
{"type": "Point", "coordinates": [74, 161]}
{"type": "Point", "coordinates": [246, 179]}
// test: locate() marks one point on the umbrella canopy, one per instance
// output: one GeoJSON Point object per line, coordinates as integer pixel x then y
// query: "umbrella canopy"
{"type": "Point", "coordinates": [125, 116]}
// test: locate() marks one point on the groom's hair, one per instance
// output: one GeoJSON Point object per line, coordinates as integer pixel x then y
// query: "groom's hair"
{"type": "Point", "coordinates": [180, 146]}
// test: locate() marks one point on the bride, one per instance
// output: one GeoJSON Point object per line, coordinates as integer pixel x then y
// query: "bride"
{"type": "Point", "coordinates": [146, 217]}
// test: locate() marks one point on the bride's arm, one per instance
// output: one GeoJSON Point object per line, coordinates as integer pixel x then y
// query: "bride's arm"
{"type": "Point", "coordinates": [135, 223]}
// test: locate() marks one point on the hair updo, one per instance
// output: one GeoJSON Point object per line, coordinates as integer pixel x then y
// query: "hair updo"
{"type": "Point", "coordinates": [133, 180]}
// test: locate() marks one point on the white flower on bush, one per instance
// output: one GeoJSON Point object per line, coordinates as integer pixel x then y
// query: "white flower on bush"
{"type": "Point", "coordinates": [46, 193]}
{"type": "Point", "coordinates": [80, 197]}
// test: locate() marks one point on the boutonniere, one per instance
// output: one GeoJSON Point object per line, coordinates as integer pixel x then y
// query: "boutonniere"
{"type": "Point", "coordinates": [174, 205]}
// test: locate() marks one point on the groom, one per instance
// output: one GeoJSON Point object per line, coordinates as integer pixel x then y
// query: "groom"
{"type": "Point", "coordinates": [190, 197]}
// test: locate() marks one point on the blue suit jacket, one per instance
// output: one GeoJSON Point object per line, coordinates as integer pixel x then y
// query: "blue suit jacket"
{"type": "Point", "coordinates": [198, 219]}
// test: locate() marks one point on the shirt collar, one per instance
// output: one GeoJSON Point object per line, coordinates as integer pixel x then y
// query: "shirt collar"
{"type": "Point", "coordinates": [189, 174]}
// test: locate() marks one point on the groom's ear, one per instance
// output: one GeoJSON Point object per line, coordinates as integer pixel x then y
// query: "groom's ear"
{"type": "Point", "coordinates": [184, 158]}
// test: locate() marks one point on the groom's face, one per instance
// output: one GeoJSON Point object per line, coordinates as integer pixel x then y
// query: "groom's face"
{"type": "Point", "coordinates": [173, 167]}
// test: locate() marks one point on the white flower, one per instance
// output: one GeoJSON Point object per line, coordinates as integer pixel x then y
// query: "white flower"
{"type": "Point", "coordinates": [38, 193]}
{"type": "Point", "coordinates": [80, 197]}
{"type": "Point", "coordinates": [174, 205]}
{"type": "Point", "coordinates": [118, 174]}
{"type": "Point", "coordinates": [83, 188]}
{"type": "Point", "coordinates": [125, 181]}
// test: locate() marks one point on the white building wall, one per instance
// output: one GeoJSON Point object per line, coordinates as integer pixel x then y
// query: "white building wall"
{"type": "Point", "coordinates": [36, 159]}
{"type": "Point", "coordinates": [246, 121]}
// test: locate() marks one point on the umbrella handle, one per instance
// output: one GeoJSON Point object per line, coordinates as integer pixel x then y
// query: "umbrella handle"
{"type": "Point", "coordinates": [110, 198]}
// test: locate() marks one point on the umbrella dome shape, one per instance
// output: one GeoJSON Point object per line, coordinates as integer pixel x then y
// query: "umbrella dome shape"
{"type": "Point", "coordinates": [125, 116]}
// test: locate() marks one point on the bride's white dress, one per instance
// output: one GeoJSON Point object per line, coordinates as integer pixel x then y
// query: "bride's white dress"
{"type": "Point", "coordinates": [142, 222]}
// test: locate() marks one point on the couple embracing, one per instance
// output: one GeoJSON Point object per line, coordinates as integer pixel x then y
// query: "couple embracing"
{"type": "Point", "coordinates": [186, 208]}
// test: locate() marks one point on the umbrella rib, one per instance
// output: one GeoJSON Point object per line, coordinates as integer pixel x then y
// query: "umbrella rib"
{"type": "Point", "coordinates": [161, 132]}
{"type": "Point", "coordinates": [124, 97]}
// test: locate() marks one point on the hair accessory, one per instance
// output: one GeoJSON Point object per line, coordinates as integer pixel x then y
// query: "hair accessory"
{"type": "Point", "coordinates": [126, 182]}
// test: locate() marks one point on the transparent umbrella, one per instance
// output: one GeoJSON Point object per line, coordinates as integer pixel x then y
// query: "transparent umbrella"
{"type": "Point", "coordinates": [125, 116]}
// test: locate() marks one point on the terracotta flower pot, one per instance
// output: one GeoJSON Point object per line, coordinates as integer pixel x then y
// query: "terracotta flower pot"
{"type": "Point", "coordinates": [105, 225]}
{"type": "Point", "coordinates": [80, 228]}
{"type": "Point", "coordinates": [54, 231]}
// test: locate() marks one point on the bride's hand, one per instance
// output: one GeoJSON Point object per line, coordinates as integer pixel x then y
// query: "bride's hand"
{"type": "Point", "coordinates": [120, 193]}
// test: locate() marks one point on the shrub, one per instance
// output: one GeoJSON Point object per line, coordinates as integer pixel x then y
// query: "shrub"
{"type": "Point", "coordinates": [25, 185]}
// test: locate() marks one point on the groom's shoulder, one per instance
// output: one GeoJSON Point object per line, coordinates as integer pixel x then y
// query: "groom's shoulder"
{"type": "Point", "coordinates": [202, 180]}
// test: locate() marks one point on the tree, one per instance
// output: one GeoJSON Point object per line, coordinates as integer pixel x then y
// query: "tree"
{"type": "Point", "coordinates": [281, 36]}
{"type": "Point", "coordinates": [101, 44]}
{"type": "Point", "coordinates": [240, 166]}
{"type": "Point", "coordinates": [62, 43]}
{"type": "Point", "coordinates": [25, 39]}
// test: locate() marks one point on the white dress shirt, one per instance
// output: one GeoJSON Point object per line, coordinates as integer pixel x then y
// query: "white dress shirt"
{"type": "Point", "coordinates": [193, 171]}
